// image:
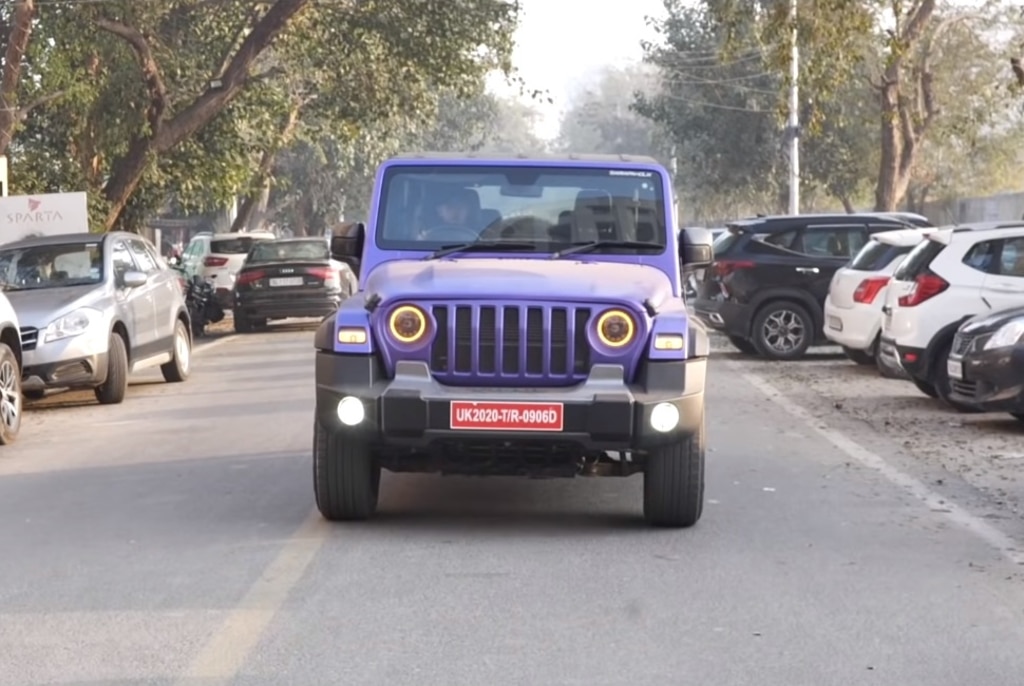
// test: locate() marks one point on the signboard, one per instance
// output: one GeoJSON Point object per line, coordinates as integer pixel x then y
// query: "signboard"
{"type": "Point", "coordinates": [48, 214]}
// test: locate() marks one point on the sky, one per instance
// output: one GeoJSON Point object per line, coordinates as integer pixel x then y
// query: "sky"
{"type": "Point", "coordinates": [560, 43]}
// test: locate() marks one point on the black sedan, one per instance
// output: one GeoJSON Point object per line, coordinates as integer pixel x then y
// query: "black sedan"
{"type": "Point", "coordinates": [986, 363]}
{"type": "Point", "coordinates": [289, 277]}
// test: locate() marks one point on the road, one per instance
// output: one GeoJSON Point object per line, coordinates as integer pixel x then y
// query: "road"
{"type": "Point", "coordinates": [172, 540]}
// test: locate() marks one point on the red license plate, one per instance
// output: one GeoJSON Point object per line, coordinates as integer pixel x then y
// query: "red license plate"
{"type": "Point", "coordinates": [504, 416]}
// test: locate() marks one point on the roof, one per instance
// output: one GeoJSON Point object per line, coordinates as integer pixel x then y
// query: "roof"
{"type": "Point", "coordinates": [789, 219]}
{"type": "Point", "coordinates": [545, 158]}
{"type": "Point", "coordinates": [65, 239]}
{"type": "Point", "coordinates": [987, 226]}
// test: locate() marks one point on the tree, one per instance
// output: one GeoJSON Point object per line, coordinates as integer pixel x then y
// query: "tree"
{"type": "Point", "coordinates": [601, 118]}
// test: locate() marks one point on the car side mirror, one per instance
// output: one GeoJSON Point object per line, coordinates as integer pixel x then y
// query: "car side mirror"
{"type": "Point", "coordinates": [695, 248]}
{"type": "Point", "coordinates": [347, 245]}
{"type": "Point", "coordinates": [134, 279]}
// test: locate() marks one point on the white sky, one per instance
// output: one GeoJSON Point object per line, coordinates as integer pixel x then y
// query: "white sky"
{"type": "Point", "coordinates": [562, 42]}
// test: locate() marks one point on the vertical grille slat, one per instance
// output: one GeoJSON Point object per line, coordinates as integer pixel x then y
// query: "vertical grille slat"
{"type": "Point", "coordinates": [508, 343]}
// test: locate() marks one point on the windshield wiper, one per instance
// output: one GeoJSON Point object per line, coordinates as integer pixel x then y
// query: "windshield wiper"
{"type": "Point", "coordinates": [600, 245]}
{"type": "Point", "coordinates": [496, 246]}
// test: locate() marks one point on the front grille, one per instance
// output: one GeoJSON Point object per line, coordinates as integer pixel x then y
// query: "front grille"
{"type": "Point", "coordinates": [510, 342]}
{"type": "Point", "coordinates": [29, 337]}
{"type": "Point", "coordinates": [968, 389]}
{"type": "Point", "coordinates": [965, 343]}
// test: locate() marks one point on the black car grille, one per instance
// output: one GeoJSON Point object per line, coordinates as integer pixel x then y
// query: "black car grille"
{"type": "Point", "coordinates": [510, 342]}
{"type": "Point", "coordinates": [965, 343]}
{"type": "Point", "coordinates": [967, 389]}
{"type": "Point", "coordinates": [29, 337]}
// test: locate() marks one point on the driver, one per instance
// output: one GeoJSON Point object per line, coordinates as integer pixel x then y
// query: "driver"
{"type": "Point", "coordinates": [454, 213]}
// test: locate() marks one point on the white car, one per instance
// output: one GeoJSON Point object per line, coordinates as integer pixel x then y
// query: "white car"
{"type": "Point", "coordinates": [954, 274]}
{"type": "Point", "coordinates": [853, 308]}
{"type": "Point", "coordinates": [217, 257]}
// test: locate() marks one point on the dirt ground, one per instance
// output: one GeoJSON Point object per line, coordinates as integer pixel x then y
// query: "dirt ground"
{"type": "Point", "coordinates": [985, 450]}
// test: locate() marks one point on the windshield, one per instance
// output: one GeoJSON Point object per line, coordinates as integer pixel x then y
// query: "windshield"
{"type": "Point", "coordinates": [300, 251]}
{"type": "Point", "coordinates": [51, 266]}
{"type": "Point", "coordinates": [548, 209]}
{"type": "Point", "coordinates": [236, 245]}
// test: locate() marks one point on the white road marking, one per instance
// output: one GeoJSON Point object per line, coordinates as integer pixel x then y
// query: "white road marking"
{"type": "Point", "coordinates": [995, 538]}
{"type": "Point", "coordinates": [214, 343]}
{"type": "Point", "coordinates": [225, 653]}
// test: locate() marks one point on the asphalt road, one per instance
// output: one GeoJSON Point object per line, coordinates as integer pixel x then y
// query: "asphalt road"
{"type": "Point", "coordinates": [172, 540]}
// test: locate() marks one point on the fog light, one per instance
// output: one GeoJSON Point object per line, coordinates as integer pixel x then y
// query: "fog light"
{"type": "Point", "coordinates": [351, 411]}
{"type": "Point", "coordinates": [664, 417]}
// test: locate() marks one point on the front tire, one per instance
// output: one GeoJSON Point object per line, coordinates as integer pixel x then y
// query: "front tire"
{"type": "Point", "coordinates": [178, 368]}
{"type": "Point", "coordinates": [11, 400]}
{"type": "Point", "coordinates": [783, 330]}
{"type": "Point", "coordinates": [113, 389]}
{"type": "Point", "coordinates": [674, 483]}
{"type": "Point", "coordinates": [346, 477]}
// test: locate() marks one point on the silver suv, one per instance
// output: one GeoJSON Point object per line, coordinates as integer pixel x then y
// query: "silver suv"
{"type": "Point", "coordinates": [92, 309]}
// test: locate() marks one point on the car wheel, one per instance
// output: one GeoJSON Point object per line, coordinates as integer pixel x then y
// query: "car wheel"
{"type": "Point", "coordinates": [11, 400]}
{"type": "Point", "coordinates": [862, 357]}
{"type": "Point", "coordinates": [114, 387]}
{"type": "Point", "coordinates": [180, 365]}
{"type": "Point", "coordinates": [743, 345]}
{"type": "Point", "coordinates": [783, 330]}
{"type": "Point", "coordinates": [674, 483]}
{"type": "Point", "coordinates": [242, 323]}
{"type": "Point", "coordinates": [944, 385]}
{"type": "Point", "coordinates": [346, 477]}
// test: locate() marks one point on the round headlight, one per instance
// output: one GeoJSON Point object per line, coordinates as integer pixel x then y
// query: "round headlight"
{"type": "Point", "coordinates": [615, 328]}
{"type": "Point", "coordinates": [408, 324]}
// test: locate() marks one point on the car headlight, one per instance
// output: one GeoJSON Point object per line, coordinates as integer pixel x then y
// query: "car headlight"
{"type": "Point", "coordinates": [70, 325]}
{"type": "Point", "coordinates": [616, 328]}
{"type": "Point", "coordinates": [407, 324]}
{"type": "Point", "coordinates": [1007, 335]}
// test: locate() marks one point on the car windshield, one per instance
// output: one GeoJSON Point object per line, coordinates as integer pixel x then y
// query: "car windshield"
{"type": "Point", "coordinates": [543, 209]}
{"type": "Point", "coordinates": [273, 251]}
{"type": "Point", "coordinates": [235, 245]}
{"type": "Point", "coordinates": [51, 266]}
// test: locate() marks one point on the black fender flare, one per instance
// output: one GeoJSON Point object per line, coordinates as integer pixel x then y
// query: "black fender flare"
{"type": "Point", "coordinates": [796, 295]}
{"type": "Point", "coordinates": [323, 339]}
{"type": "Point", "coordinates": [938, 341]}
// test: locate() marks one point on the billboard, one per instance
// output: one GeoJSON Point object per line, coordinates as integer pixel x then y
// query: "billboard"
{"type": "Point", "coordinates": [47, 214]}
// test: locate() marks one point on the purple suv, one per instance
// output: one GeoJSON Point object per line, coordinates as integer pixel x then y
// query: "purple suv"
{"type": "Point", "coordinates": [518, 316]}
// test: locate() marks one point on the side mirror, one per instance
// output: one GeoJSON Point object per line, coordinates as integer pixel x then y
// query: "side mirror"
{"type": "Point", "coordinates": [347, 245]}
{"type": "Point", "coordinates": [134, 279]}
{"type": "Point", "coordinates": [695, 248]}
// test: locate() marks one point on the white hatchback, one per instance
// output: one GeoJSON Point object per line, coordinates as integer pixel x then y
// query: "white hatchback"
{"type": "Point", "coordinates": [856, 295]}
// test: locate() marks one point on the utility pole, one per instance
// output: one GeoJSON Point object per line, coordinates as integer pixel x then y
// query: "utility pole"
{"type": "Point", "coordinates": [794, 115]}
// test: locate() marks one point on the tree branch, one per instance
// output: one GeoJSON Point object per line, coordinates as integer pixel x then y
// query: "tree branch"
{"type": "Point", "coordinates": [17, 44]}
{"type": "Point", "coordinates": [155, 87]}
{"type": "Point", "coordinates": [25, 110]}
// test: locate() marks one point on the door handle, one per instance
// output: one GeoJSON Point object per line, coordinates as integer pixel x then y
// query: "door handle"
{"type": "Point", "coordinates": [886, 309]}
{"type": "Point", "coordinates": [808, 270]}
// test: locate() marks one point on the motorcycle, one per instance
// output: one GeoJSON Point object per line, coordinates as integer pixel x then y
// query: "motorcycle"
{"type": "Point", "coordinates": [203, 308]}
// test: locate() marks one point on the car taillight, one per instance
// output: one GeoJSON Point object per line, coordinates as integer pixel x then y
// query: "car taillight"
{"type": "Point", "coordinates": [869, 289]}
{"type": "Point", "coordinates": [212, 261]}
{"type": "Point", "coordinates": [925, 286]}
{"type": "Point", "coordinates": [725, 267]}
{"type": "Point", "coordinates": [327, 275]}
{"type": "Point", "coordinates": [246, 278]}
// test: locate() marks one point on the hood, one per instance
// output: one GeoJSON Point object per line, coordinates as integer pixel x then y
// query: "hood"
{"type": "Point", "coordinates": [38, 307]}
{"type": "Point", "coordinates": [503, 278]}
{"type": "Point", "coordinates": [990, 321]}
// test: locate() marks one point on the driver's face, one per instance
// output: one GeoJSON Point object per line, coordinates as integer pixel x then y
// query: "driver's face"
{"type": "Point", "coordinates": [454, 213]}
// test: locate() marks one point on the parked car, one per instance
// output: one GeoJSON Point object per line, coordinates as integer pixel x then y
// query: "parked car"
{"type": "Point", "coordinates": [986, 363]}
{"type": "Point", "coordinates": [217, 257]}
{"type": "Point", "coordinates": [853, 308]}
{"type": "Point", "coordinates": [92, 309]}
{"type": "Point", "coordinates": [289, 277]}
{"type": "Point", "coordinates": [954, 274]}
{"type": "Point", "coordinates": [10, 372]}
{"type": "Point", "coordinates": [766, 288]}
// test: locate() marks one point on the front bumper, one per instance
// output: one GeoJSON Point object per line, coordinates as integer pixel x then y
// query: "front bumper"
{"type": "Point", "coordinates": [902, 361]}
{"type": "Point", "coordinates": [79, 361]}
{"type": "Point", "coordinates": [989, 380]}
{"type": "Point", "coordinates": [732, 319]}
{"type": "Point", "coordinates": [856, 327]}
{"type": "Point", "coordinates": [601, 414]}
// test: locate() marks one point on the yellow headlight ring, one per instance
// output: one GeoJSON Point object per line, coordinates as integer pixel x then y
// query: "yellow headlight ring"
{"type": "Point", "coordinates": [630, 328]}
{"type": "Point", "coordinates": [407, 309]}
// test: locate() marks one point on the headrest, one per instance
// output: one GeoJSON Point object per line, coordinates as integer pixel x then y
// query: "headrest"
{"type": "Point", "coordinates": [594, 200]}
{"type": "Point", "coordinates": [462, 196]}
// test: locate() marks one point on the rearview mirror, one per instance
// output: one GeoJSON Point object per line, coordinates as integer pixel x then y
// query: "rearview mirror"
{"type": "Point", "coordinates": [134, 279]}
{"type": "Point", "coordinates": [347, 245]}
{"type": "Point", "coordinates": [695, 248]}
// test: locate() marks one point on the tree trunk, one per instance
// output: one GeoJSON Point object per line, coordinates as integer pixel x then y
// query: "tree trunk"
{"type": "Point", "coordinates": [17, 44]}
{"type": "Point", "coordinates": [847, 205]}
{"type": "Point", "coordinates": [261, 178]}
{"type": "Point", "coordinates": [128, 171]}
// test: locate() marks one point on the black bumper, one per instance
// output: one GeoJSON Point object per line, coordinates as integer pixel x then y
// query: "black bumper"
{"type": "Point", "coordinates": [283, 305]}
{"type": "Point", "coordinates": [603, 413]}
{"type": "Point", "coordinates": [905, 361]}
{"type": "Point", "coordinates": [993, 380]}
{"type": "Point", "coordinates": [82, 372]}
{"type": "Point", "coordinates": [731, 318]}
